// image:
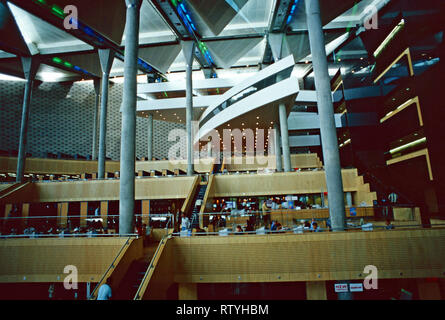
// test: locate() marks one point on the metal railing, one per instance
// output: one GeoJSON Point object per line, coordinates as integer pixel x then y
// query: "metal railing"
{"type": "Point", "coordinates": [68, 226]}
{"type": "Point", "coordinates": [150, 269]}
{"type": "Point", "coordinates": [93, 295]}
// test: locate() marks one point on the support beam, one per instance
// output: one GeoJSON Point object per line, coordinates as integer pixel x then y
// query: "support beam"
{"type": "Point", "coordinates": [104, 213]}
{"type": "Point", "coordinates": [106, 57]}
{"type": "Point", "coordinates": [128, 133]}
{"type": "Point", "coordinates": [96, 115]}
{"type": "Point", "coordinates": [328, 131]}
{"type": "Point", "coordinates": [188, 49]}
{"type": "Point", "coordinates": [277, 143]}
{"type": "Point", "coordinates": [150, 137]}
{"type": "Point", "coordinates": [284, 137]}
{"type": "Point", "coordinates": [30, 67]}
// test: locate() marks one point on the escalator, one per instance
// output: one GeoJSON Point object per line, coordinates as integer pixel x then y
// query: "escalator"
{"type": "Point", "coordinates": [196, 207]}
{"type": "Point", "coordinates": [132, 279]}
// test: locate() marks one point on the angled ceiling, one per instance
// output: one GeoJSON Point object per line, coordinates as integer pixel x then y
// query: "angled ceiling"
{"type": "Point", "coordinates": [234, 31]}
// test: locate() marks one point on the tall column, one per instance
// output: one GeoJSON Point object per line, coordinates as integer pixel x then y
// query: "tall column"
{"type": "Point", "coordinates": [188, 48]}
{"type": "Point", "coordinates": [209, 149]}
{"type": "Point", "coordinates": [128, 133]}
{"type": "Point", "coordinates": [96, 114]}
{"type": "Point", "coordinates": [150, 137]}
{"type": "Point", "coordinates": [106, 57]}
{"type": "Point", "coordinates": [277, 143]}
{"type": "Point", "coordinates": [30, 66]}
{"type": "Point", "coordinates": [349, 199]}
{"type": "Point", "coordinates": [284, 137]}
{"type": "Point", "coordinates": [328, 131]}
{"type": "Point", "coordinates": [279, 46]}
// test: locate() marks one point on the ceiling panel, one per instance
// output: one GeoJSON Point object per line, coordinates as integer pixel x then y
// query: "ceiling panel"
{"type": "Point", "coordinates": [160, 57]}
{"type": "Point", "coordinates": [226, 53]}
{"type": "Point", "coordinates": [43, 38]}
{"type": "Point", "coordinates": [153, 28]}
{"type": "Point", "coordinates": [211, 17]}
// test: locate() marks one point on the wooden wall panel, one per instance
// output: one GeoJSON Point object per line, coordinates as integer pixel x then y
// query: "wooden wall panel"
{"type": "Point", "coordinates": [202, 166]}
{"type": "Point", "coordinates": [56, 166]}
{"type": "Point", "coordinates": [44, 260]}
{"type": "Point", "coordinates": [310, 160]}
{"type": "Point", "coordinates": [287, 183]}
{"type": "Point", "coordinates": [309, 257]}
{"type": "Point", "coordinates": [102, 190]}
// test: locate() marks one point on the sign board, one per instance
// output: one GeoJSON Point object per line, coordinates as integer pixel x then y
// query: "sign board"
{"type": "Point", "coordinates": [356, 287]}
{"type": "Point", "coordinates": [341, 287]}
{"type": "Point", "coordinates": [353, 212]}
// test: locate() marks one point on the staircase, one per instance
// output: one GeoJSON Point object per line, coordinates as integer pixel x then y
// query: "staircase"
{"type": "Point", "coordinates": [195, 213]}
{"type": "Point", "coordinates": [132, 279]}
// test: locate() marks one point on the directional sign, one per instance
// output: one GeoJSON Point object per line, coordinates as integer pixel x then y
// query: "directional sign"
{"type": "Point", "coordinates": [341, 287]}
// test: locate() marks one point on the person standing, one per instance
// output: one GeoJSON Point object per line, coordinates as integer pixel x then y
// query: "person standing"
{"type": "Point", "coordinates": [185, 223]}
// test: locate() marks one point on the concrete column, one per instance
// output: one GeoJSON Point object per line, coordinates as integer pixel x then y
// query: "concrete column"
{"type": "Point", "coordinates": [96, 114]}
{"type": "Point", "coordinates": [328, 131]}
{"type": "Point", "coordinates": [209, 149]}
{"type": "Point", "coordinates": [277, 142]}
{"type": "Point", "coordinates": [284, 137]}
{"type": "Point", "coordinates": [30, 66]}
{"type": "Point", "coordinates": [106, 60]}
{"type": "Point", "coordinates": [349, 199]}
{"type": "Point", "coordinates": [150, 137]}
{"type": "Point", "coordinates": [188, 48]}
{"type": "Point", "coordinates": [128, 132]}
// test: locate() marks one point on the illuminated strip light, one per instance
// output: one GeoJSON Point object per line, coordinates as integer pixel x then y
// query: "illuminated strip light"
{"type": "Point", "coordinates": [388, 39]}
{"type": "Point", "coordinates": [66, 64]}
{"type": "Point", "coordinates": [404, 106]}
{"type": "Point", "coordinates": [345, 143]}
{"type": "Point", "coordinates": [292, 10]}
{"type": "Point", "coordinates": [407, 145]}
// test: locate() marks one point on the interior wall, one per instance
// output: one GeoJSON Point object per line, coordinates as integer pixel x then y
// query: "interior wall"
{"type": "Point", "coordinates": [61, 120]}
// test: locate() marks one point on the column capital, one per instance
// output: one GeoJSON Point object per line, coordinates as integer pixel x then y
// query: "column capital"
{"type": "Point", "coordinates": [188, 48]}
{"type": "Point", "coordinates": [106, 58]}
{"type": "Point", "coordinates": [133, 4]}
{"type": "Point", "coordinates": [30, 66]}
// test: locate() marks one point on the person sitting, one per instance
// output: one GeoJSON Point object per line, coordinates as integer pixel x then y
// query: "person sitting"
{"type": "Point", "coordinates": [239, 230]}
{"type": "Point", "coordinates": [315, 227]}
{"type": "Point", "coordinates": [273, 226]}
{"type": "Point", "coordinates": [389, 225]}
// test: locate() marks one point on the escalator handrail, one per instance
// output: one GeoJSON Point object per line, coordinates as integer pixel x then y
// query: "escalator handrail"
{"type": "Point", "coordinates": [151, 266]}
{"type": "Point", "coordinates": [112, 265]}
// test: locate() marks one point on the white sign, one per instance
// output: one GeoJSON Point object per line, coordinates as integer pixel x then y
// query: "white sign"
{"type": "Point", "coordinates": [341, 287]}
{"type": "Point", "coordinates": [356, 287]}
